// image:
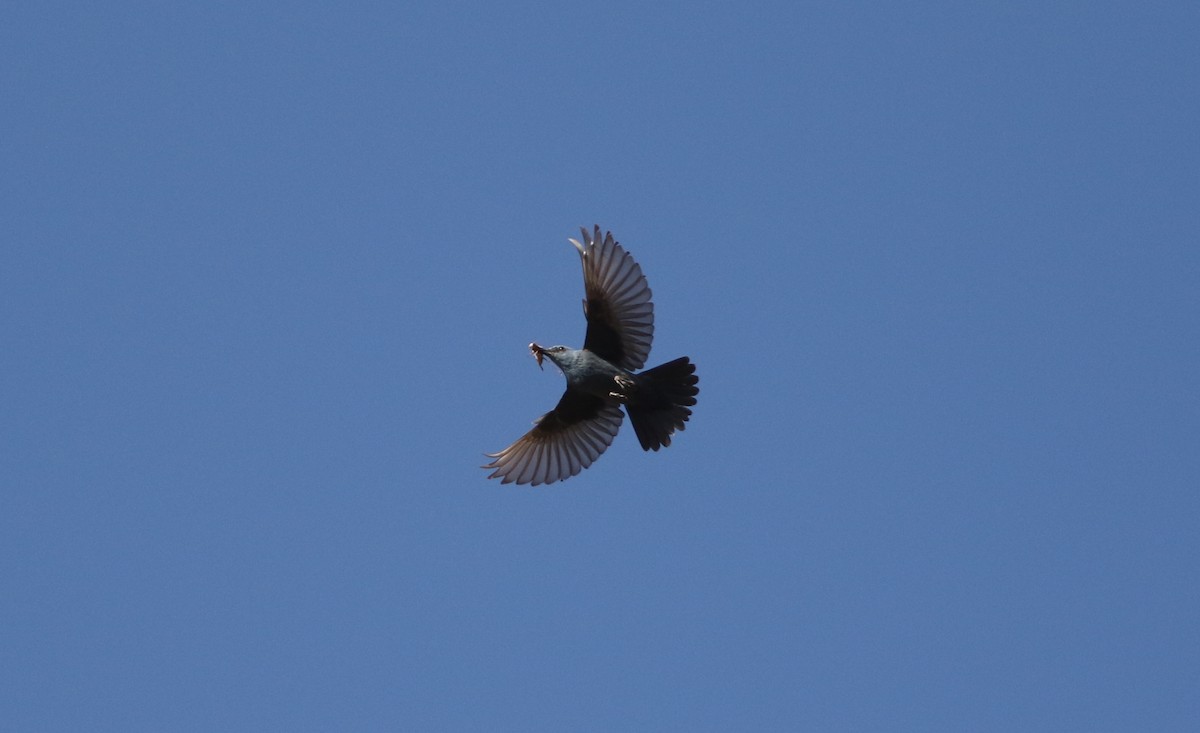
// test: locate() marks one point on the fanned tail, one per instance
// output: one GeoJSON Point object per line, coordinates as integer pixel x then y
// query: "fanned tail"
{"type": "Point", "coordinates": [663, 397]}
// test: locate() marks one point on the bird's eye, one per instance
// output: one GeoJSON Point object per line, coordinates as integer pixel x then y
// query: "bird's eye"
{"type": "Point", "coordinates": [559, 349]}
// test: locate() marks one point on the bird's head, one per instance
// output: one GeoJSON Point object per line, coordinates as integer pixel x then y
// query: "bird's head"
{"type": "Point", "coordinates": [556, 354]}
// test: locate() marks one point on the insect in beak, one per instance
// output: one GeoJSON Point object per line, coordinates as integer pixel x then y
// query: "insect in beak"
{"type": "Point", "coordinates": [537, 353]}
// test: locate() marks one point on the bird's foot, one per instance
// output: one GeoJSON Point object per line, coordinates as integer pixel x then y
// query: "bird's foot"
{"type": "Point", "coordinates": [624, 385]}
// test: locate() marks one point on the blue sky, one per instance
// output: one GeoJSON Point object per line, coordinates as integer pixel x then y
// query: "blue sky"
{"type": "Point", "coordinates": [269, 275]}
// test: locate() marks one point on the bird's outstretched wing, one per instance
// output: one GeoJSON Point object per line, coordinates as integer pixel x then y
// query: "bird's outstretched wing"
{"type": "Point", "coordinates": [563, 442]}
{"type": "Point", "coordinates": [619, 313]}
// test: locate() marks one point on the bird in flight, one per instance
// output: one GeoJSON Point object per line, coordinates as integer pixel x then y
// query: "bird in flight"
{"type": "Point", "coordinates": [601, 377]}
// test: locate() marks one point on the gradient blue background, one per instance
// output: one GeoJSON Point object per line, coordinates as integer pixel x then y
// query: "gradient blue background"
{"type": "Point", "coordinates": [269, 271]}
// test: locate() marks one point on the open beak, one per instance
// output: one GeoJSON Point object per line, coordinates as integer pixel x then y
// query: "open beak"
{"type": "Point", "coordinates": [537, 353]}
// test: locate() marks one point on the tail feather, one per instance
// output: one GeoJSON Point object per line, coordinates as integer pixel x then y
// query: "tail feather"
{"type": "Point", "coordinates": [663, 397]}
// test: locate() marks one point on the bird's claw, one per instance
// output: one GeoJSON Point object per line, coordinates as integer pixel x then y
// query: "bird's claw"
{"type": "Point", "coordinates": [624, 383]}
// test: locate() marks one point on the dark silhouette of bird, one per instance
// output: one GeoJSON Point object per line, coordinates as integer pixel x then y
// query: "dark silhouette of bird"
{"type": "Point", "coordinates": [600, 377]}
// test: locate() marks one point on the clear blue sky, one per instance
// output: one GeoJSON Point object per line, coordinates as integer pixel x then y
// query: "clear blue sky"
{"type": "Point", "coordinates": [270, 269]}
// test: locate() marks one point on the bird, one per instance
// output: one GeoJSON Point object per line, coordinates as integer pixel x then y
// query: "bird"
{"type": "Point", "coordinates": [602, 377]}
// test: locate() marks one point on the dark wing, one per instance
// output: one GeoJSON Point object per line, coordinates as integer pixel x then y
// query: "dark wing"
{"type": "Point", "coordinates": [619, 313]}
{"type": "Point", "coordinates": [563, 442]}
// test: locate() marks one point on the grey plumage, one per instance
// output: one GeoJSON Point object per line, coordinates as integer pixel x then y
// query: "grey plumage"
{"type": "Point", "coordinates": [600, 377]}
